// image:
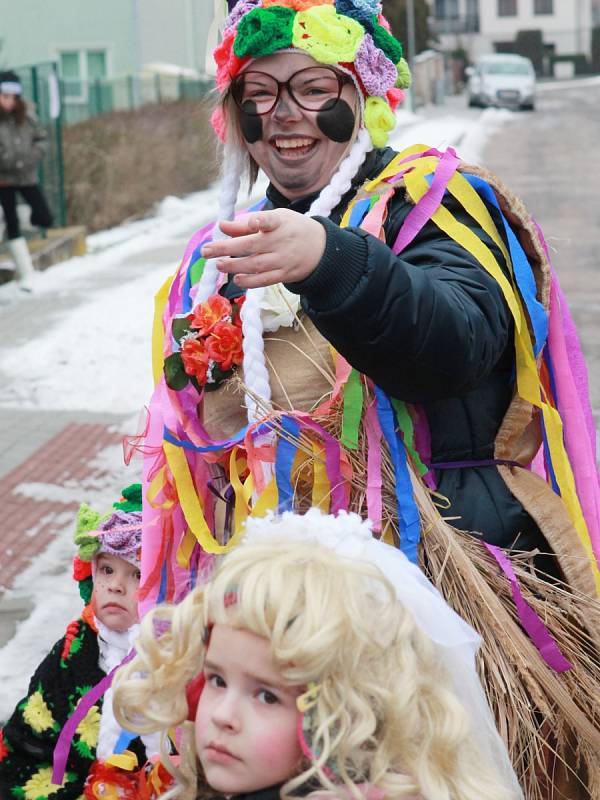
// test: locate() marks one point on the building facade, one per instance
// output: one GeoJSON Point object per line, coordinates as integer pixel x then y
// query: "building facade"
{"type": "Point", "coordinates": [91, 40]}
{"type": "Point", "coordinates": [487, 26]}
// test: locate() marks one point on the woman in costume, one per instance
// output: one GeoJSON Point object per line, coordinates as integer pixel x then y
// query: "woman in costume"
{"type": "Point", "coordinates": [419, 352]}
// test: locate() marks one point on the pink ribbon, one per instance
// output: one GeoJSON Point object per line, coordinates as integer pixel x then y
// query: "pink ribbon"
{"type": "Point", "coordinates": [532, 624]}
{"type": "Point", "coordinates": [374, 482]}
{"type": "Point", "coordinates": [422, 212]}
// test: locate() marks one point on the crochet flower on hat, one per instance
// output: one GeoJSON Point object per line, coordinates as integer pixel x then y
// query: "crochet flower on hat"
{"type": "Point", "coordinates": [119, 533]}
{"type": "Point", "coordinates": [350, 33]}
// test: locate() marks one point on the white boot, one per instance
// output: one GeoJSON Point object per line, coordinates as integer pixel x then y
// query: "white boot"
{"type": "Point", "coordinates": [24, 269]}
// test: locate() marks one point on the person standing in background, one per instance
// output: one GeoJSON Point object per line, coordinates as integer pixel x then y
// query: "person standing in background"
{"type": "Point", "coordinates": [23, 144]}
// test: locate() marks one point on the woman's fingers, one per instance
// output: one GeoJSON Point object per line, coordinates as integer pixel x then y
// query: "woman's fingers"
{"type": "Point", "coordinates": [268, 278]}
{"type": "Point", "coordinates": [248, 265]}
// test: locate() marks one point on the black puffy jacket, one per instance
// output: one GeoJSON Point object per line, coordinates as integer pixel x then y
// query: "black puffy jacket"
{"type": "Point", "coordinates": [430, 327]}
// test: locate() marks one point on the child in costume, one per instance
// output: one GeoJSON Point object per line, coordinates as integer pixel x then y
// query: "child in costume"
{"type": "Point", "coordinates": [107, 568]}
{"type": "Point", "coordinates": [382, 334]}
{"type": "Point", "coordinates": [325, 662]}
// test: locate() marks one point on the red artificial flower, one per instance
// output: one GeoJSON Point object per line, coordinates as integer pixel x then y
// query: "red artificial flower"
{"type": "Point", "coordinates": [81, 569]}
{"type": "Point", "coordinates": [105, 780]}
{"type": "Point", "coordinates": [3, 747]}
{"type": "Point", "coordinates": [224, 345]}
{"type": "Point", "coordinates": [207, 314]}
{"type": "Point", "coordinates": [195, 359]}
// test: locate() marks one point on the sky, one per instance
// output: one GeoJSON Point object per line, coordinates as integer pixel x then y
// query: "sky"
{"type": "Point", "coordinates": [107, 308]}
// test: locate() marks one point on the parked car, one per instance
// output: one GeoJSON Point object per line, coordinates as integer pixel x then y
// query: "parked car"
{"type": "Point", "coordinates": [501, 79]}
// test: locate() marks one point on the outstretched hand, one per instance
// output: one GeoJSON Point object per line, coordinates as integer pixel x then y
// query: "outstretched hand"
{"type": "Point", "coordinates": [268, 247]}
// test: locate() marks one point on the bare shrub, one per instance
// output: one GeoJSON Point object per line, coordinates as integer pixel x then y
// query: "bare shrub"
{"type": "Point", "coordinates": [118, 165]}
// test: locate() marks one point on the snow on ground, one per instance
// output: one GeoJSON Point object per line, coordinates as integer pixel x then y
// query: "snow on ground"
{"type": "Point", "coordinates": [100, 350]}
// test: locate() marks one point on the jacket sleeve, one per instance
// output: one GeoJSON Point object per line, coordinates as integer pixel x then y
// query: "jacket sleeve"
{"type": "Point", "coordinates": [425, 325]}
{"type": "Point", "coordinates": [39, 141]}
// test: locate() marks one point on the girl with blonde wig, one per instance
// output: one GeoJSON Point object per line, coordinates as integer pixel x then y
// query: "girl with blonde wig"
{"type": "Point", "coordinates": [371, 673]}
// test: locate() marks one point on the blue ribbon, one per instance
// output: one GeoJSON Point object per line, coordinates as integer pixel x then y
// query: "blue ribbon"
{"type": "Point", "coordinates": [359, 212]}
{"type": "Point", "coordinates": [408, 514]}
{"type": "Point", "coordinates": [522, 269]}
{"type": "Point", "coordinates": [125, 737]}
{"type": "Point", "coordinates": [212, 448]}
{"type": "Point", "coordinates": [284, 461]}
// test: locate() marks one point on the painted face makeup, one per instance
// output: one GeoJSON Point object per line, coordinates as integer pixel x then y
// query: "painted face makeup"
{"type": "Point", "coordinates": [337, 121]}
{"type": "Point", "coordinates": [246, 719]}
{"type": "Point", "coordinates": [298, 148]}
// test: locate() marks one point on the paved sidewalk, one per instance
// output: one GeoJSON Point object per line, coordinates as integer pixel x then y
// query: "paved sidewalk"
{"type": "Point", "coordinates": [46, 461]}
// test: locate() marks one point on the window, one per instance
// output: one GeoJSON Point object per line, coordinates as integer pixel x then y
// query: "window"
{"type": "Point", "coordinates": [78, 68]}
{"type": "Point", "coordinates": [446, 9]}
{"type": "Point", "coordinates": [543, 7]}
{"type": "Point", "coordinates": [507, 8]}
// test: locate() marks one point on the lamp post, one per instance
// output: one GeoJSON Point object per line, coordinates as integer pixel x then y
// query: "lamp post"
{"type": "Point", "coordinates": [410, 33]}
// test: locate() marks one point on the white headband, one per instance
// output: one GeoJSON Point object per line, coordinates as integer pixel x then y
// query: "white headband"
{"type": "Point", "coordinates": [10, 87]}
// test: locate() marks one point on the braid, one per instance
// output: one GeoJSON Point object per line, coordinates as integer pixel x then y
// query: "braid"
{"type": "Point", "coordinates": [341, 182]}
{"type": "Point", "coordinates": [256, 376]}
{"type": "Point", "coordinates": [234, 159]}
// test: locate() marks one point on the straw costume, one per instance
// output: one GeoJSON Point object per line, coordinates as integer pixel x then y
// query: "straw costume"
{"type": "Point", "coordinates": [255, 410]}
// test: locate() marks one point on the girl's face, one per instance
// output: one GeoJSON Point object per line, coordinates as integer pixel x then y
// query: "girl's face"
{"type": "Point", "coordinates": [116, 585]}
{"type": "Point", "coordinates": [7, 102]}
{"type": "Point", "coordinates": [247, 718]}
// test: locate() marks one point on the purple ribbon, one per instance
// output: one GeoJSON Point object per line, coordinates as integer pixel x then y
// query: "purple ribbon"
{"type": "Point", "coordinates": [63, 743]}
{"type": "Point", "coordinates": [532, 624]}
{"type": "Point", "coordinates": [486, 462]}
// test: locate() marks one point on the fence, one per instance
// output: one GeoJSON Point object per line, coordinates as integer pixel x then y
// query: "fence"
{"type": "Point", "coordinates": [82, 100]}
{"type": "Point", "coordinates": [65, 102]}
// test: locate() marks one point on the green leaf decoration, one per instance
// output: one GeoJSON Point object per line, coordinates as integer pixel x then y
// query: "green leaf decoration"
{"type": "Point", "coordinates": [175, 374]}
{"type": "Point", "coordinates": [180, 326]}
{"type": "Point", "coordinates": [219, 376]}
{"type": "Point", "coordinates": [83, 749]}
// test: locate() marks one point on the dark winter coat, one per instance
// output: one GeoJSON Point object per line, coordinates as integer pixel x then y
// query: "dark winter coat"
{"type": "Point", "coordinates": [27, 740]}
{"type": "Point", "coordinates": [430, 327]}
{"type": "Point", "coordinates": [22, 147]}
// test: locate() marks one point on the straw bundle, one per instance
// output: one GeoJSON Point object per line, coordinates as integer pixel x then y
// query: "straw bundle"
{"type": "Point", "coordinates": [550, 722]}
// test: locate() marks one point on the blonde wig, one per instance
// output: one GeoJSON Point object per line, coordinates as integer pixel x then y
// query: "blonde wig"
{"type": "Point", "coordinates": [383, 713]}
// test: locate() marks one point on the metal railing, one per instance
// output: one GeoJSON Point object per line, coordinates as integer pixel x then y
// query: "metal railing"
{"type": "Point", "coordinates": [83, 100]}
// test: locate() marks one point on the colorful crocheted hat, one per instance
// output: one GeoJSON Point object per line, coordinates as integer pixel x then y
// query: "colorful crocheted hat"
{"type": "Point", "coordinates": [353, 35]}
{"type": "Point", "coordinates": [119, 533]}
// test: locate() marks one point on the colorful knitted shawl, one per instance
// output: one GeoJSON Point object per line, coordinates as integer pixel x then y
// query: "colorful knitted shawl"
{"type": "Point", "coordinates": [262, 462]}
{"type": "Point", "coordinates": [28, 739]}
{"type": "Point", "coordinates": [353, 35]}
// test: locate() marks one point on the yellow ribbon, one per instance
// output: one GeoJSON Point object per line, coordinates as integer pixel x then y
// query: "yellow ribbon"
{"type": "Point", "coordinates": [160, 301]}
{"type": "Point", "coordinates": [190, 502]}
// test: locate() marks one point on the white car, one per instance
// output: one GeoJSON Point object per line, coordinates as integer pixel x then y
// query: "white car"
{"type": "Point", "coordinates": [502, 79]}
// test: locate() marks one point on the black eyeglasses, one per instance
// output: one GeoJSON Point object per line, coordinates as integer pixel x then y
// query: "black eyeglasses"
{"type": "Point", "coordinates": [313, 89]}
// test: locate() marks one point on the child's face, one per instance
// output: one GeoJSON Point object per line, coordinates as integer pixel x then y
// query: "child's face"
{"type": "Point", "coordinates": [247, 718]}
{"type": "Point", "coordinates": [116, 586]}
